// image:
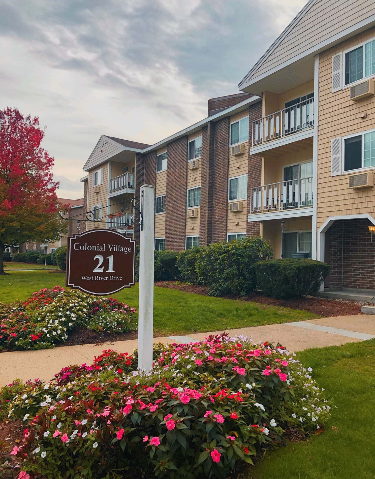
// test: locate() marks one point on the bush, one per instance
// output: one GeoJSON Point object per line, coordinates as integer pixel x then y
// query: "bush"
{"type": "Point", "coordinates": [45, 259]}
{"type": "Point", "coordinates": [28, 257]}
{"type": "Point", "coordinates": [205, 408]}
{"type": "Point", "coordinates": [228, 268]}
{"type": "Point", "coordinates": [7, 256]}
{"type": "Point", "coordinates": [290, 278]}
{"type": "Point", "coordinates": [165, 266]}
{"type": "Point", "coordinates": [60, 256]}
{"type": "Point", "coordinates": [186, 263]}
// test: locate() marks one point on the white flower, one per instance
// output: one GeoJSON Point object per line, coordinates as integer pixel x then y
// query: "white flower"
{"type": "Point", "coordinates": [273, 423]}
{"type": "Point", "coordinates": [59, 425]}
{"type": "Point", "coordinates": [95, 445]}
{"type": "Point", "coordinates": [249, 386]}
{"type": "Point", "coordinates": [36, 450]}
{"type": "Point", "coordinates": [84, 421]}
{"type": "Point", "coordinates": [266, 431]}
{"type": "Point", "coordinates": [26, 416]}
{"type": "Point", "coordinates": [293, 415]}
{"type": "Point", "coordinates": [46, 434]}
{"type": "Point", "coordinates": [260, 406]}
{"type": "Point", "coordinates": [46, 386]}
{"type": "Point", "coordinates": [24, 396]}
{"type": "Point", "coordinates": [43, 455]}
{"type": "Point", "coordinates": [84, 434]}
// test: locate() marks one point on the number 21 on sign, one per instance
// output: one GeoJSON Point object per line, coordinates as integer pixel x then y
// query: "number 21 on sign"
{"type": "Point", "coordinates": [99, 268]}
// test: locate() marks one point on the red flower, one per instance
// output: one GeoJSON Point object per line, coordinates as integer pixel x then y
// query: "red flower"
{"type": "Point", "coordinates": [233, 415]}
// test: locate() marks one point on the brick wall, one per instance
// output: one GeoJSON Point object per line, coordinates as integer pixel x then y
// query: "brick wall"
{"type": "Point", "coordinates": [215, 105]}
{"type": "Point", "coordinates": [175, 223]}
{"type": "Point", "coordinates": [255, 169]}
{"type": "Point", "coordinates": [351, 255]}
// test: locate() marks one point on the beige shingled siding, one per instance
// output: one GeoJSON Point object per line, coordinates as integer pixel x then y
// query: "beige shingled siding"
{"type": "Point", "coordinates": [273, 165]}
{"type": "Point", "coordinates": [272, 231]}
{"type": "Point", "coordinates": [324, 19]}
{"type": "Point", "coordinates": [339, 116]}
{"type": "Point", "coordinates": [273, 102]}
{"type": "Point", "coordinates": [98, 195]}
{"type": "Point", "coordinates": [160, 226]}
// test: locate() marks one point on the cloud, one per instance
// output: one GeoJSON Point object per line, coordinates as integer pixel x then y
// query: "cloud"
{"type": "Point", "coordinates": [135, 69]}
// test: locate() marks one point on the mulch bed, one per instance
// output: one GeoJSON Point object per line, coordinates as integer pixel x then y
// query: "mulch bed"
{"type": "Point", "coordinates": [11, 434]}
{"type": "Point", "coordinates": [87, 336]}
{"type": "Point", "coordinates": [319, 306]}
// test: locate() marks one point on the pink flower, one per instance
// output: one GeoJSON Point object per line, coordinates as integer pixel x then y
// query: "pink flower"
{"type": "Point", "coordinates": [145, 439]}
{"type": "Point", "coordinates": [240, 371]}
{"type": "Point", "coordinates": [208, 413]}
{"type": "Point", "coordinates": [170, 425]}
{"type": "Point", "coordinates": [56, 433]}
{"type": "Point", "coordinates": [64, 438]}
{"type": "Point", "coordinates": [215, 454]}
{"type": "Point", "coordinates": [120, 433]}
{"type": "Point", "coordinates": [266, 372]}
{"type": "Point", "coordinates": [155, 441]}
{"type": "Point", "coordinates": [284, 363]}
{"type": "Point", "coordinates": [231, 438]}
{"type": "Point", "coordinates": [198, 362]}
{"type": "Point", "coordinates": [219, 418]}
{"type": "Point", "coordinates": [283, 377]}
{"type": "Point", "coordinates": [185, 398]}
{"type": "Point", "coordinates": [168, 416]}
{"type": "Point", "coordinates": [23, 475]}
{"type": "Point", "coordinates": [127, 409]}
{"type": "Point", "coordinates": [153, 408]}
{"type": "Point", "coordinates": [14, 451]}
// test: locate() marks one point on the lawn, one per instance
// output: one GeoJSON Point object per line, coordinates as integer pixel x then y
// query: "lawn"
{"type": "Point", "coordinates": [11, 266]}
{"type": "Point", "coordinates": [346, 449]}
{"type": "Point", "coordinates": [175, 311]}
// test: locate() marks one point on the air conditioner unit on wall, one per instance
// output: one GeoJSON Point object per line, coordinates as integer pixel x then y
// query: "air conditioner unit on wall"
{"type": "Point", "coordinates": [193, 213]}
{"type": "Point", "coordinates": [235, 206]}
{"type": "Point", "coordinates": [362, 90]}
{"type": "Point", "coordinates": [363, 180]}
{"type": "Point", "coordinates": [238, 149]}
{"type": "Point", "coordinates": [194, 164]}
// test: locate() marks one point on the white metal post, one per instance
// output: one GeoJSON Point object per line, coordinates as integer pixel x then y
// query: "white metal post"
{"type": "Point", "coordinates": [146, 278]}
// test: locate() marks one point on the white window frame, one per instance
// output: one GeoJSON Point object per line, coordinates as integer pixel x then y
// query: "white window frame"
{"type": "Point", "coordinates": [240, 233]}
{"type": "Point", "coordinates": [247, 184]}
{"type": "Point", "coordinates": [364, 65]}
{"type": "Point", "coordinates": [295, 164]}
{"type": "Point", "coordinates": [197, 157]}
{"type": "Point", "coordinates": [159, 240]}
{"type": "Point", "coordinates": [99, 172]}
{"type": "Point", "coordinates": [161, 212]}
{"type": "Point", "coordinates": [160, 154]}
{"type": "Point", "coordinates": [364, 168]}
{"type": "Point", "coordinates": [295, 231]}
{"type": "Point", "coordinates": [52, 250]}
{"type": "Point", "coordinates": [191, 236]}
{"type": "Point", "coordinates": [239, 131]}
{"type": "Point", "coordinates": [187, 197]}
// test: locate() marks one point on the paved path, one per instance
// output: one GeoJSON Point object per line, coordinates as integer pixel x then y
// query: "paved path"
{"type": "Point", "coordinates": [316, 333]}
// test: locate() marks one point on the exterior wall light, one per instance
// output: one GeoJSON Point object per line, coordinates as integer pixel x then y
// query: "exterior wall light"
{"type": "Point", "coordinates": [372, 231]}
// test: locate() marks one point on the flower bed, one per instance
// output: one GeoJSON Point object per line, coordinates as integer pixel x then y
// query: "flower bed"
{"type": "Point", "coordinates": [49, 315]}
{"type": "Point", "coordinates": [206, 409]}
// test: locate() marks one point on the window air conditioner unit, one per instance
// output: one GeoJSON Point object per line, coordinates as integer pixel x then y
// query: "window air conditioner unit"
{"type": "Point", "coordinates": [194, 164]}
{"type": "Point", "coordinates": [238, 149]}
{"type": "Point", "coordinates": [363, 180]}
{"type": "Point", "coordinates": [362, 90]}
{"type": "Point", "coordinates": [235, 206]}
{"type": "Point", "coordinates": [193, 213]}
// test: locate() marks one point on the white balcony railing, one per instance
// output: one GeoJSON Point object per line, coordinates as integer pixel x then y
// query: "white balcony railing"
{"type": "Point", "coordinates": [284, 122]}
{"type": "Point", "coordinates": [121, 182]}
{"type": "Point", "coordinates": [125, 221]}
{"type": "Point", "coordinates": [285, 195]}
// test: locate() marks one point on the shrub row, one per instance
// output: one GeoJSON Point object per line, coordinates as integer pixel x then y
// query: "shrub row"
{"type": "Point", "coordinates": [32, 257]}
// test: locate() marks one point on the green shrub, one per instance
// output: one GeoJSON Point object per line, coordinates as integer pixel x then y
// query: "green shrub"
{"type": "Point", "coordinates": [7, 256]}
{"type": "Point", "coordinates": [186, 263]}
{"type": "Point", "coordinates": [290, 278]}
{"type": "Point", "coordinates": [45, 259]}
{"type": "Point", "coordinates": [60, 255]}
{"type": "Point", "coordinates": [165, 266]}
{"type": "Point", "coordinates": [28, 257]}
{"type": "Point", "coordinates": [228, 268]}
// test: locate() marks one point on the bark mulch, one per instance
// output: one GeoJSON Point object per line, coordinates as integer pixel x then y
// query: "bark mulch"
{"type": "Point", "coordinates": [11, 434]}
{"type": "Point", "coordinates": [320, 306]}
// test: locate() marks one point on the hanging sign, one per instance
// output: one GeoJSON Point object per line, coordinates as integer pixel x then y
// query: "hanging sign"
{"type": "Point", "coordinates": [100, 262]}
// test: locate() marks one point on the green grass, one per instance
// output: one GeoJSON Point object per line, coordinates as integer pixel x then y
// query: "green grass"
{"type": "Point", "coordinates": [175, 311]}
{"type": "Point", "coordinates": [346, 449]}
{"type": "Point", "coordinates": [11, 266]}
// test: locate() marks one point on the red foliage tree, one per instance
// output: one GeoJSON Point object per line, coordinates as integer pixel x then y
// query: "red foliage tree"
{"type": "Point", "coordinates": [28, 201]}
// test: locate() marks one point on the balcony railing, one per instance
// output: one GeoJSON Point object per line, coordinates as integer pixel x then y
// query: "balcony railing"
{"type": "Point", "coordinates": [284, 122]}
{"type": "Point", "coordinates": [122, 222]}
{"type": "Point", "coordinates": [121, 182]}
{"type": "Point", "coordinates": [285, 195]}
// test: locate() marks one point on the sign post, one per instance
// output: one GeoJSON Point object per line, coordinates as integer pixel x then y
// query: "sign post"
{"type": "Point", "coordinates": [146, 278]}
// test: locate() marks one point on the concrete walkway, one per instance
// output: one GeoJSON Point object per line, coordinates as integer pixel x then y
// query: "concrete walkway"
{"type": "Point", "coordinates": [316, 333]}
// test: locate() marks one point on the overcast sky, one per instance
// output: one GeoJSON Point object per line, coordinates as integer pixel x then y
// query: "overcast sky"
{"type": "Point", "coordinates": [134, 69]}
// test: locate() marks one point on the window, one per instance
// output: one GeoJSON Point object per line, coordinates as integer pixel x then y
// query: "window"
{"type": "Point", "coordinates": [194, 197]}
{"type": "Point", "coordinates": [235, 236]}
{"type": "Point", "coordinates": [239, 131]}
{"type": "Point", "coordinates": [192, 241]}
{"type": "Point", "coordinates": [98, 177]}
{"type": "Point", "coordinates": [297, 242]}
{"type": "Point", "coordinates": [160, 244]}
{"type": "Point", "coordinates": [195, 148]}
{"type": "Point", "coordinates": [97, 212]}
{"type": "Point", "coordinates": [161, 202]}
{"type": "Point", "coordinates": [161, 162]}
{"type": "Point", "coordinates": [53, 250]}
{"type": "Point", "coordinates": [359, 151]}
{"type": "Point", "coordinates": [360, 62]}
{"type": "Point", "coordinates": [238, 188]}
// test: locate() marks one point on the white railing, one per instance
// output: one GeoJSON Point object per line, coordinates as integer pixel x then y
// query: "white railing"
{"type": "Point", "coordinates": [121, 182]}
{"type": "Point", "coordinates": [121, 222]}
{"type": "Point", "coordinates": [284, 122]}
{"type": "Point", "coordinates": [285, 195]}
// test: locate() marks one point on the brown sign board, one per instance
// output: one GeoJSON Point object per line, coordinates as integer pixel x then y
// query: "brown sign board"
{"type": "Point", "coordinates": [100, 262]}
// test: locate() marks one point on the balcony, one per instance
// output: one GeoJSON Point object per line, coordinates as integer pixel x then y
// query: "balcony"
{"type": "Point", "coordinates": [284, 123]}
{"type": "Point", "coordinates": [282, 196]}
{"type": "Point", "coordinates": [121, 184]}
{"type": "Point", "coordinates": [123, 222]}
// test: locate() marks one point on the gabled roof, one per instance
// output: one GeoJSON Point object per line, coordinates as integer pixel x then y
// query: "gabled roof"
{"type": "Point", "coordinates": [129, 143]}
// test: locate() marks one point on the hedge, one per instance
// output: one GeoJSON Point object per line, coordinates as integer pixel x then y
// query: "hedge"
{"type": "Point", "coordinates": [186, 264]}
{"type": "Point", "coordinates": [60, 256]}
{"type": "Point", "coordinates": [165, 264]}
{"type": "Point", "coordinates": [290, 278]}
{"type": "Point", "coordinates": [28, 257]}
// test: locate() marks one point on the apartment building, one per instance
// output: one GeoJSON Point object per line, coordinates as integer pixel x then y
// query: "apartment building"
{"type": "Point", "coordinates": [202, 177]}
{"type": "Point", "coordinates": [316, 138]}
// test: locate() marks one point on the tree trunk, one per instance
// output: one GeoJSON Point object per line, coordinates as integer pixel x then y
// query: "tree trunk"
{"type": "Point", "coordinates": [2, 248]}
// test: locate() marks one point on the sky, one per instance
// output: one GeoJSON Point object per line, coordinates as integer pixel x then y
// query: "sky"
{"type": "Point", "coordinates": [134, 69]}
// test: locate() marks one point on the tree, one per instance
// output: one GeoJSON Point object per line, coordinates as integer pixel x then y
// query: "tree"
{"type": "Point", "coordinates": [28, 202]}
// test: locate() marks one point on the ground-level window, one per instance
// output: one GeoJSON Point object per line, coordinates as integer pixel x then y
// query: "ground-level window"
{"type": "Point", "coordinates": [160, 244]}
{"type": "Point", "coordinates": [193, 197]}
{"type": "Point", "coordinates": [161, 162]}
{"type": "Point", "coordinates": [161, 202]}
{"type": "Point", "coordinates": [359, 151]}
{"type": "Point", "coordinates": [239, 131]}
{"type": "Point", "coordinates": [234, 236]}
{"type": "Point", "coordinates": [297, 242]}
{"type": "Point", "coordinates": [238, 188]}
{"type": "Point", "coordinates": [195, 148]}
{"type": "Point", "coordinates": [192, 241]}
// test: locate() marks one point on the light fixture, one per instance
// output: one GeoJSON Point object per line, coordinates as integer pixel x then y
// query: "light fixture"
{"type": "Point", "coordinates": [283, 225]}
{"type": "Point", "coordinates": [371, 229]}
